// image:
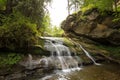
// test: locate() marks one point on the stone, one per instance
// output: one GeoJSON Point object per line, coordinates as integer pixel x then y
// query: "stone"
{"type": "Point", "coordinates": [1, 77]}
{"type": "Point", "coordinates": [15, 76]}
{"type": "Point", "coordinates": [95, 26]}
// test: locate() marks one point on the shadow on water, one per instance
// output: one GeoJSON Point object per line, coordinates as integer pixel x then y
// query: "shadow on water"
{"type": "Point", "coordinates": [103, 72]}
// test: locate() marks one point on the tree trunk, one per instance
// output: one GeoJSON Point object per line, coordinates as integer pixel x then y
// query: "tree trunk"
{"type": "Point", "coordinates": [68, 7]}
{"type": "Point", "coordinates": [8, 7]}
{"type": "Point", "coordinates": [75, 7]}
{"type": "Point", "coordinates": [115, 5]}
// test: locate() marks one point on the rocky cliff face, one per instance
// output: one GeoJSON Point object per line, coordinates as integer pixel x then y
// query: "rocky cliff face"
{"type": "Point", "coordinates": [94, 25]}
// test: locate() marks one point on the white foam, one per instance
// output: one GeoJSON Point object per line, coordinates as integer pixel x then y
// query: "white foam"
{"type": "Point", "coordinates": [97, 64]}
{"type": "Point", "coordinates": [46, 77]}
{"type": "Point", "coordinates": [71, 69]}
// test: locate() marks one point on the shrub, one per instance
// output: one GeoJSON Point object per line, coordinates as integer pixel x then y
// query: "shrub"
{"type": "Point", "coordinates": [17, 32]}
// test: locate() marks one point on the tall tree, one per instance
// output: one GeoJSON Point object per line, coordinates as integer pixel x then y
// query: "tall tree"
{"type": "Point", "coordinates": [68, 5]}
{"type": "Point", "coordinates": [76, 4]}
{"type": "Point", "coordinates": [115, 5]}
{"type": "Point", "coordinates": [2, 4]}
{"type": "Point", "coordinates": [33, 9]}
{"type": "Point", "coordinates": [19, 22]}
{"type": "Point", "coordinates": [101, 4]}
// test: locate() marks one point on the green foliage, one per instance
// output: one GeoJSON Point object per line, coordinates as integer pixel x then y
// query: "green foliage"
{"type": "Point", "coordinates": [17, 32]}
{"type": "Point", "coordinates": [100, 4]}
{"type": "Point", "coordinates": [9, 59]}
{"type": "Point", "coordinates": [116, 19]}
{"type": "Point", "coordinates": [57, 31]}
{"type": "Point", "coordinates": [20, 23]}
{"type": "Point", "coordinates": [3, 4]}
{"type": "Point", "coordinates": [48, 30]}
{"type": "Point", "coordinates": [33, 9]}
{"type": "Point", "coordinates": [53, 31]}
{"type": "Point", "coordinates": [90, 6]}
{"type": "Point", "coordinates": [104, 4]}
{"type": "Point", "coordinates": [45, 24]}
{"type": "Point", "coordinates": [118, 8]}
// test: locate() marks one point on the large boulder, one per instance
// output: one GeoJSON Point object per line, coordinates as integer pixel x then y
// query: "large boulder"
{"type": "Point", "coordinates": [95, 25]}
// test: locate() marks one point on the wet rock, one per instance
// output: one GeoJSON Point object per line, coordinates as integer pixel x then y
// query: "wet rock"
{"type": "Point", "coordinates": [25, 69]}
{"type": "Point", "coordinates": [31, 63]}
{"type": "Point", "coordinates": [15, 76]}
{"type": "Point", "coordinates": [1, 77]}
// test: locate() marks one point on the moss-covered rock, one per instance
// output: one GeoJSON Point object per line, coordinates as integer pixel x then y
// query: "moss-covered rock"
{"type": "Point", "coordinates": [96, 31]}
{"type": "Point", "coordinates": [95, 25]}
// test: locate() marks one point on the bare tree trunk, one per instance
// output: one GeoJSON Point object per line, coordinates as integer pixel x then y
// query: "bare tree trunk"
{"type": "Point", "coordinates": [68, 7]}
{"type": "Point", "coordinates": [115, 5]}
{"type": "Point", "coordinates": [75, 7]}
{"type": "Point", "coordinates": [8, 7]}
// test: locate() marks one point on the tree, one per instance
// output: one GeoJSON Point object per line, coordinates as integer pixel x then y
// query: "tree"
{"type": "Point", "coordinates": [68, 2]}
{"type": "Point", "coordinates": [115, 4]}
{"type": "Point", "coordinates": [2, 4]}
{"type": "Point", "coordinates": [102, 4]}
{"type": "Point", "coordinates": [33, 9]}
{"type": "Point", "coordinates": [20, 23]}
{"type": "Point", "coordinates": [76, 4]}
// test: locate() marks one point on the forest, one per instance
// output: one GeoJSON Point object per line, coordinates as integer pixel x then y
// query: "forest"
{"type": "Point", "coordinates": [95, 23]}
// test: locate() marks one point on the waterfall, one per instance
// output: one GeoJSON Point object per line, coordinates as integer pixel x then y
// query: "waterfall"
{"type": "Point", "coordinates": [86, 52]}
{"type": "Point", "coordinates": [88, 55]}
{"type": "Point", "coordinates": [61, 55]}
{"type": "Point", "coordinates": [57, 51]}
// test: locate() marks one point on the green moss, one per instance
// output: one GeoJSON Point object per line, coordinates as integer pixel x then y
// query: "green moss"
{"type": "Point", "coordinates": [113, 50]}
{"type": "Point", "coordinates": [68, 42]}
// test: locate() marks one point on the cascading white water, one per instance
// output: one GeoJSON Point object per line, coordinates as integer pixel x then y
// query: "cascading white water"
{"type": "Point", "coordinates": [62, 56]}
{"type": "Point", "coordinates": [86, 52]}
{"type": "Point", "coordinates": [57, 51]}
{"type": "Point", "coordinates": [88, 55]}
